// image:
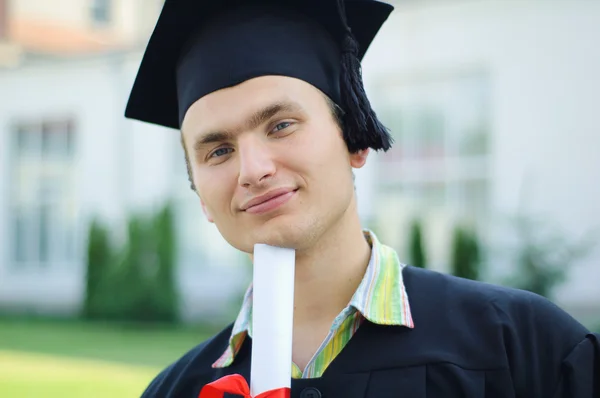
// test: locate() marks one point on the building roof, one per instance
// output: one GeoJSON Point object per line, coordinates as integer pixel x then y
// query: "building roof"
{"type": "Point", "coordinates": [49, 37]}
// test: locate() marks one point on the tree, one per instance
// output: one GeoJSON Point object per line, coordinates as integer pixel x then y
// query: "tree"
{"type": "Point", "coordinates": [98, 262]}
{"type": "Point", "coordinates": [137, 282]}
{"type": "Point", "coordinates": [466, 255]}
{"type": "Point", "coordinates": [544, 256]}
{"type": "Point", "coordinates": [416, 248]}
{"type": "Point", "coordinates": [165, 292]}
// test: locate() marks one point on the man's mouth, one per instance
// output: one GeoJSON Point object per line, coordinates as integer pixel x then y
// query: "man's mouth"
{"type": "Point", "coordinates": [269, 201]}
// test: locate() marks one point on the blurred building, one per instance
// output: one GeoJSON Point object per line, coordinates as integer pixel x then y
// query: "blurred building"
{"type": "Point", "coordinates": [491, 104]}
{"type": "Point", "coordinates": [68, 155]}
{"type": "Point", "coordinates": [493, 107]}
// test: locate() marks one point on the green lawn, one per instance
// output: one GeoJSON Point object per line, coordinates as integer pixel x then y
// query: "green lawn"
{"type": "Point", "coordinates": [148, 346]}
{"type": "Point", "coordinates": [24, 375]}
{"type": "Point", "coordinates": [74, 359]}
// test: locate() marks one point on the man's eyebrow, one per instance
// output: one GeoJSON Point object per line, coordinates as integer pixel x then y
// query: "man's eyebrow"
{"type": "Point", "coordinates": [211, 138]}
{"type": "Point", "coordinates": [262, 115]}
{"type": "Point", "coordinates": [256, 119]}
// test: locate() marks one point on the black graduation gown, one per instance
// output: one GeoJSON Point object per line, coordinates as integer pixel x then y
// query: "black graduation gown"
{"type": "Point", "coordinates": [471, 340]}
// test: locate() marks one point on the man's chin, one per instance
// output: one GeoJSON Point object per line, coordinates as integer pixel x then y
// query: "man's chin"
{"type": "Point", "coordinates": [279, 239]}
{"type": "Point", "coordinates": [289, 231]}
{"type": "Point", "coordinates": [282, 233]}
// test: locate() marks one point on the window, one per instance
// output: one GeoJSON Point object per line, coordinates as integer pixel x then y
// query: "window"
{"type": "Point", "coordinates": [438, 118]}
{"type": "Point", "coordinates": [43, 193]}
{"type": "Point", "coordinates": [100, 12]}
{"type": "Point", "coordinates": [437, 169]}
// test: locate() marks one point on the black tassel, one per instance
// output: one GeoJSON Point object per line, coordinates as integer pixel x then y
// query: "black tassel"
{"type": "Point", "coordinates": [362, 128]}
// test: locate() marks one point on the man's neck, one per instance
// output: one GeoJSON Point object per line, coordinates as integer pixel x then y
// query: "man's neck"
{"type": "Point", "coordinates": [327, 276]}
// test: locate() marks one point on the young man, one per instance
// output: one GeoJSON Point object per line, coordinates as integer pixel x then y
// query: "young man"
{"type": "Point", "coordinates": [273, 117]}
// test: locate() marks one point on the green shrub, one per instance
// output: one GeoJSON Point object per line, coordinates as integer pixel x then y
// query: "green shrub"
{"type": "Point", "coordinates": [545, 255]}
{"type": "Point", "coordinates": [99, 257]}
{"type": "Point", "coordinates": [416, 247]}
{"type": "Point", "coordinates": [466, 256]}
{"type": "Point", "coordinates": [137, 283]}
{"type": "Point", "coordinates": [164, 291]}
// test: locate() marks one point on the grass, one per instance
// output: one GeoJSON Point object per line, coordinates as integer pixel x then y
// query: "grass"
{"type": "Point", "coordinates": [70, 359]}
{"type": "Point", "coordinates": [128, 344]}
{"type": "Point", "coordinates": [26, 375]}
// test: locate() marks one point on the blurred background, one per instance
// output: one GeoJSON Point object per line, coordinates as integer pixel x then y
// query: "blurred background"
{"type": "Point", "coordinates": [108, 269]}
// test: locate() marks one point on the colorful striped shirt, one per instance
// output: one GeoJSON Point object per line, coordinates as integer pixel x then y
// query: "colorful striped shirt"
{"type": "Point", "coordinates": [380, 298]}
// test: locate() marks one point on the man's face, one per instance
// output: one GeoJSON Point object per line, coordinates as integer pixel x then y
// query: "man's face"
{"type": "Point", "coordinates": [269, 163]}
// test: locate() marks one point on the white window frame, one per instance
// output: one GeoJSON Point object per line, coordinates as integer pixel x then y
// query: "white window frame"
{"type": "Point", "coordinates": [451, 169]}
{"type": "Point", "coordinates": [31, 190]}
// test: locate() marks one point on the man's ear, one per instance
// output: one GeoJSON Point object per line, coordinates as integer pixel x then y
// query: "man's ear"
{"type": "Point", "coordinates": [206, 212]}
{"type": "Point", "coordinates": [359, 158]}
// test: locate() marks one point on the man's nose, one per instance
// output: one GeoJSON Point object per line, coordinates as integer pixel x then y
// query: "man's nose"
{"type": "Point", "coordinates": [256, 162]}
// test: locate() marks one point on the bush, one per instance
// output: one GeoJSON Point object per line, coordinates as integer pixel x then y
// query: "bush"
{"type": "Point", "coordinates": [137, 283]}
{"type": "Point", "coordinates": [545, 255]}
{"type": "Point", "coordinates": [99, 257]}
{"type": "Point", "coordinates": [466, 256]}
{"type": "Point", "coordinates": [416, 247]}
{"type": "Point", "coordinates": [163, 292]}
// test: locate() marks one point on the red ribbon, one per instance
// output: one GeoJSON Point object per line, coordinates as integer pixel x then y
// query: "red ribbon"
{"type": "Point", "coordinates": [236, 384]}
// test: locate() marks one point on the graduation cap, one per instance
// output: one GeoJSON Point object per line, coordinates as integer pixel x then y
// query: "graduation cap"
{"type": "Point", "coordinates": [201, 46]}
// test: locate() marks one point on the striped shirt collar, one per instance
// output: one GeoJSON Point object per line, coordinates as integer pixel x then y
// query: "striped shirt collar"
{"type": "Point", "coordinates": [380, 298]}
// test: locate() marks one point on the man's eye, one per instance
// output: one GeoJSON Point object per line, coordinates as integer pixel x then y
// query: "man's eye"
{"type": "Point", "coordinates": [220, 152]}
{"type": "Point", "coordinates": [281, 126]}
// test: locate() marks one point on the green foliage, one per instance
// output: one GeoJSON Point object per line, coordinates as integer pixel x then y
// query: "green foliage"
{"type": "Point", "coordinates": [164, 233]}
{"type": "Point", "coordinates": [416, 247]}
{"type": "Point", "coordinates": [544, 256]}
{"type": "Point", "coordinates": [466, 254]}
{"type": "Point", "coordinates": [99, 259]}
{"type": "Point", "coordinates": [137, 283]}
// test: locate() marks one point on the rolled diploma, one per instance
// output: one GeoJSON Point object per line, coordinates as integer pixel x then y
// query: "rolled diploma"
{"type": "Point", "coordinates": [272, 318]}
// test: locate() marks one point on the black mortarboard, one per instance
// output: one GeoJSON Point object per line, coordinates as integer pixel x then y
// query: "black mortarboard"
{"type": "Point", "coordinates": [201, 46]}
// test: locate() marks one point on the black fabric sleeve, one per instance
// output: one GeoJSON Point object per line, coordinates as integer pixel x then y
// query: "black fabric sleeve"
{"type": "Point", "coordinates": [542, 343]}
{"type": "Point", "coordinates": [580, 376]}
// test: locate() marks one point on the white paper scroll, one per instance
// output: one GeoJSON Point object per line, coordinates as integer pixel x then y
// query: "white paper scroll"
{"type": "Point", "coordinates": [272, 318]}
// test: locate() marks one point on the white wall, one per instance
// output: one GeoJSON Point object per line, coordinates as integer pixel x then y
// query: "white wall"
{"type": "Point", "coordinates": [543, 60]}
{"type": "Point", "coordinates": [84, 90]}
{"type": "Point", "coordinates": [123, 166]}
